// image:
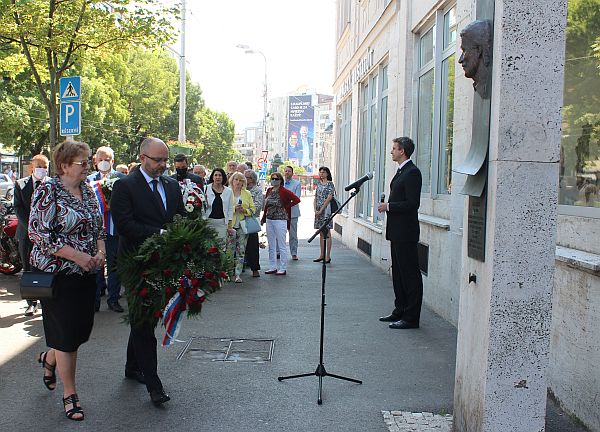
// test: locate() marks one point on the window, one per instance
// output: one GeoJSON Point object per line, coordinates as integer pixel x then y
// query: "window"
{"type": "Point", "coordinates": [372, 144]}
{"type": "Point", "coordinates": [342, 176]}
{"type": "Point", "coordinates": [343, 16]}
{"type": "Point", "coordinates": [580, 145]}
{"type": "Point", "coordinates": [435, 103]}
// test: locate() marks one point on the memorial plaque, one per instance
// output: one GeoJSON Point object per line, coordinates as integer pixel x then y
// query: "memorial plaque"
{"type": "Point", "coordinates": [476, 227]}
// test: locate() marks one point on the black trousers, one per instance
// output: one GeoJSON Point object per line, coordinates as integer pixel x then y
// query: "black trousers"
{"type": "Point", "coordinates": [408, 282]}
{"type": "Point", "coordinates": [252, 252]}
{"type": "Point", "coordinates": [141, 355]}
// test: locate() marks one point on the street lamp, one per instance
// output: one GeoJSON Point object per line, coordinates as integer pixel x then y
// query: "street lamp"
{"type": "Point", "coordinates": [248, 50]}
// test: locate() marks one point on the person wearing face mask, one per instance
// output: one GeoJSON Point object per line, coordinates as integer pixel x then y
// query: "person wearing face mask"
{"type": "Point", "coordinates": [182, 173]}
{"type": "Point", "coordinates": [277, 214]}
{"type": "Point", "coordinates": [104, 162]}
{"type": "Point", "coordinates": [24, 189]}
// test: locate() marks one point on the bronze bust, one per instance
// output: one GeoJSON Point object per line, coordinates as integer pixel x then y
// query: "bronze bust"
{"type": "Point", "coordinates": [476, 57]}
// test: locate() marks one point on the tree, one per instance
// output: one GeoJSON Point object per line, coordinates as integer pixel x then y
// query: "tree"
{"type": "Point", "coordinates": [217, 132]}
{"type": "Point", "coordinates": [194, 103]}
{"type": "Point", "coordinates": [581, 117]}
{"type": "Point", "coordinates": [298, 170]}
{"type": "Point", "coordinates": [54, 35]}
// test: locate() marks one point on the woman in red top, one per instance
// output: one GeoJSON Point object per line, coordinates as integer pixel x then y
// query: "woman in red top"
{"type": "Point", "coordinates": [277, 213]}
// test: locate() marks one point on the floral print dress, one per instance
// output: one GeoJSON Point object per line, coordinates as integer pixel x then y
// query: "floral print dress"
{"type": "Point", "coordinates": [59, 219]}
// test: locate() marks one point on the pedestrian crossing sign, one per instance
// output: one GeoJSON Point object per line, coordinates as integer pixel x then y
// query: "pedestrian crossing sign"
{"type": "Point", "coordinates": [70, 89]}
{"type": "Point", "coordinates": [262, 175]}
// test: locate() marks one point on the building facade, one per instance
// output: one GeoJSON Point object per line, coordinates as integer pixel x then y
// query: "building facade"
{"type": "Point", "coordinates": [297, 115]}
{"type": "Point", "coordinates": [397, 74]}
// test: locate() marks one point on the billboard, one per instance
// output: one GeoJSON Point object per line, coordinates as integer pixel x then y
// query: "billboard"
{"type": "Point", "coordinates": [301, 130]}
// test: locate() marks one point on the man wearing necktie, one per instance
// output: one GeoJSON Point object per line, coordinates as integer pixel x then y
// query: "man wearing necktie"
{"type": "Point", "coordinates": [402, 230]}
{"type": "Point", "coordinates": [142, 204]}
{"type": "Point", "coordinates": [296, 188]}
{"type": "Point", "coordinates": [22, 203]}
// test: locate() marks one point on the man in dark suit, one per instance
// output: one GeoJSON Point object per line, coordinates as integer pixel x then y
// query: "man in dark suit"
{"type": "Point", "coordinates": [22, 203]}
{"type": "Point", "coordinates": [142, 204]}
{"type": "Point", "coordinates": [402, 230]}
{"type": "Point", "coordinates": [105, 158]}
{"type": "Point", "coordinates": [182, 173]}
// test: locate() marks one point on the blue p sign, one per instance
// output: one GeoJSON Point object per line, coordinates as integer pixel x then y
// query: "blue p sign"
{"type": "Point", "coordinates": [70, 118]}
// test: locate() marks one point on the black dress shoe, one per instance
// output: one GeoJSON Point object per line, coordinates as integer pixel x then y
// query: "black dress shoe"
{"type": "Point", "coordinates": [135, 375]}
{"type": "Point", "coordinates": [389, 318]}
{"type": "Point", "coordinates": [159, 397]}
{"type": "Point", "coordinates": [116, 307]}
{"type": "Point", "coordinates": [403, 325]}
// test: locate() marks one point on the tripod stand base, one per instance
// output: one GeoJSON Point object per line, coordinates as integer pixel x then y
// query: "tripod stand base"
{"type": "Point", "coordinates": [320, 372]}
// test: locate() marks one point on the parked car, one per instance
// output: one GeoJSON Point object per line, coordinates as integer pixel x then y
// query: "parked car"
{"type": "Point", "coordinates": [6, 186]}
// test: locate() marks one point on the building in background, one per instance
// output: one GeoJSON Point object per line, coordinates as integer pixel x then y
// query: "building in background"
{"type": "Point", "coordinates": [396, 74]}
{"type": "Point", "coordinates": [300, 129]}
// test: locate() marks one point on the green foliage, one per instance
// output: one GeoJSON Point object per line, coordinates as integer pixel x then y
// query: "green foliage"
{"type": "Point", "coordinates": [152, 275]}
{"type": "Point", "coordinates": [52, 36]}
{"type": "Point", "coordinates": [216, 134]}
{"type": "Point", "coordinates": [581, 112]}
{"type": "Point", "coordinates": [298, 170]}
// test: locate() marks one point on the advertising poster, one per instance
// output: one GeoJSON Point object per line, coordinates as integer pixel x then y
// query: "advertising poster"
{"type": "Point", "coordinates": [301, 116]}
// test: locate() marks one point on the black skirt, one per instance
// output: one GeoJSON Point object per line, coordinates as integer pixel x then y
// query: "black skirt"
{"type": "Point", "coordinates": [68, 318]}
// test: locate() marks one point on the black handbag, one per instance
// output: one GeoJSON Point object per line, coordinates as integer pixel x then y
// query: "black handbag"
{"type": "Point", "coordinates": [335, 204]}
{"type": "Point", "coordinates": [37, 285]}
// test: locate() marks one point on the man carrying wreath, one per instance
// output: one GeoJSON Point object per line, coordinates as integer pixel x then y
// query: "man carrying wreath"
{"type": "Point", "coordinates": [142, 204]}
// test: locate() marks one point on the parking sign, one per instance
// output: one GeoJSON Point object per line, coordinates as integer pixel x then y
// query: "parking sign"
{"type": "Point", "coordinates": [70, 118]}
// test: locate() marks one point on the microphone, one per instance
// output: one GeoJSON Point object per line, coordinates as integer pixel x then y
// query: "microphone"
{"type": "Point", "coordinates": [358, 183]}
{"type": "Point", "coordinates": [382, 198]}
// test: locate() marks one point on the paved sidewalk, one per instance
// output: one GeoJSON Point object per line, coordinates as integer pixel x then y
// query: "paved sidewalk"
{"type": "Point", "coordinates": [408, 371]}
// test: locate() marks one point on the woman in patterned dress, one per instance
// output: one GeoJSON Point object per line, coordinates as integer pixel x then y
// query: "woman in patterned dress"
{"type": "Point", "coordinates": [66, 229]}
{"type": "Point", "coordinates": [323, 196]}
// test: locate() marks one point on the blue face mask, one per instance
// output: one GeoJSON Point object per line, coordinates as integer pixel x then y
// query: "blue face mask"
{"type": "Point", "coordinates": [275, 183]}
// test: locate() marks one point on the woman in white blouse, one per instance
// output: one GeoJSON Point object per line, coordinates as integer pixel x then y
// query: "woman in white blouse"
{"type": "Point", "coordinates": [219, 198]}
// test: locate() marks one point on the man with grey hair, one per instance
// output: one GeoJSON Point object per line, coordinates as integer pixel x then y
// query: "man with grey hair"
{"type": "Point", "coordinates": [296, 188]}
{"type": "Point", "coordinates": [200, 170]}
{"type": "Point", "coordinates": [105, 158]}
{"type": "Point", "coordinates": [143, 203]}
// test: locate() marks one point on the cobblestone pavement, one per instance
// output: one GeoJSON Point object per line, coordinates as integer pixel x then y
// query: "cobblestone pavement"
{"type": "Point", "coordinates": [404, 421]}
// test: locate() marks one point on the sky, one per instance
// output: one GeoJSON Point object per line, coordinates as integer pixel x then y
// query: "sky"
{"type": "Point", "coordinates": [296, 37]}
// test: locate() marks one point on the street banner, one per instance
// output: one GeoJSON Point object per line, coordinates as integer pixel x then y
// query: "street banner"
{"type": "Point", "coordinates": [301, 121]}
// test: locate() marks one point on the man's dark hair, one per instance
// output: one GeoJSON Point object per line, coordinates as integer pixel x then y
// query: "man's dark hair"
{"type": "Point", "coordinates": [406, 144]}
{"type": "Point", "coordinates": [290, 167]}
{"type": "Point", "coordinates": [180, 157]}
{"type": "Point", "coordinates": [248, 164]}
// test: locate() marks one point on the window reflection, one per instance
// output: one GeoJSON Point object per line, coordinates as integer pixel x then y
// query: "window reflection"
{"type": "Point", "coordinates": [580, 145]}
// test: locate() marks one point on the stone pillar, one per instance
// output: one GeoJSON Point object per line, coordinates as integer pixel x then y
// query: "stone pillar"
{"type": "Point", "coordinates": [505, 316]}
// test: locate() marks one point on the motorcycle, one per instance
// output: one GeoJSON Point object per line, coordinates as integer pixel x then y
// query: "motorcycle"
{"type": "Point", "coordinates": [10, 259]}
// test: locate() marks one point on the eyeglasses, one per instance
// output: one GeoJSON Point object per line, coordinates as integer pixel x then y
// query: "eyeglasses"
{"type": "Point", "coordinates": [155, 159]}
{"type": "Point", "coordinates": [83, 163]}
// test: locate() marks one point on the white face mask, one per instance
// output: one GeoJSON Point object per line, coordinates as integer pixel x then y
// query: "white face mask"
{"type": "Point", "coordinates": [40, 173]}
{"type": "Point", "coordinates": [104, 166]}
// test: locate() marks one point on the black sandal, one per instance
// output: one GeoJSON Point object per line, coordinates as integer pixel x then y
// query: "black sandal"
{"type": "Point", "coordinates": [73, 400]}
{"type": "Point", "coordinates": [48, 380]}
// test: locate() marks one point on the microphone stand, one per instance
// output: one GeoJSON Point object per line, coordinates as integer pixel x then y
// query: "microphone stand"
{"type": "Point", "coordinates": [320, 371]}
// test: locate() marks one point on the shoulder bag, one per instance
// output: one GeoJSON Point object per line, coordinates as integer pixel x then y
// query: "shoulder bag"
{"type": "Point", "coordinates": [39, 285]}
{"type": "Point", "coordinates": [250, 225]}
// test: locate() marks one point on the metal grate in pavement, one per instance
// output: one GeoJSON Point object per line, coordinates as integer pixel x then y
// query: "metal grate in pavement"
{"type": "Point", "coordinates": [228, 349]}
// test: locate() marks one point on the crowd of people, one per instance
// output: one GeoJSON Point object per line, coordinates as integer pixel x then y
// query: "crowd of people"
{"type": "Point", "coordinates": [69, 228]}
